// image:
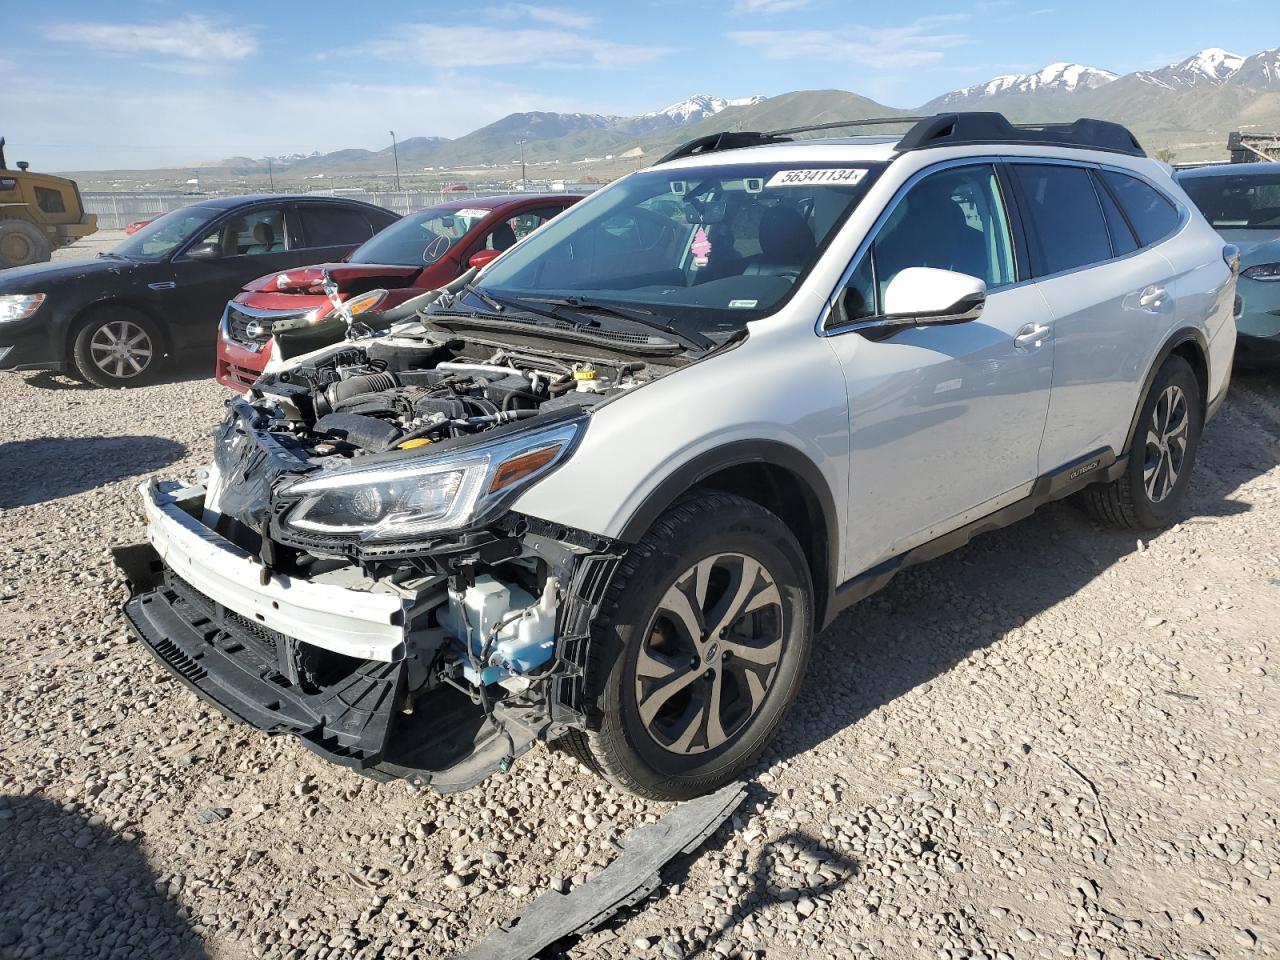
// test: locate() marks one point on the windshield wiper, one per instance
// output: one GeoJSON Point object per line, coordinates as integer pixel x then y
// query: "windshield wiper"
{"type": "Point", "coordinates": [113, 255]}
{"type": "Point", "coordinates": [635, 314]}
{"type": "Point", "coordinates": [483, 297]}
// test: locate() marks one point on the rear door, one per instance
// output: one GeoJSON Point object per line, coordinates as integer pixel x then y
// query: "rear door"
{"type": "Point", "coordinates": [1111, 298]}
{"type": "Point", "coordinates": [946, 420]}
{"type": "Point", "coordinates": [331, 231]}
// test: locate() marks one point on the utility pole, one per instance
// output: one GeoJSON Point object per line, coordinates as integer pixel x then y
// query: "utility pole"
{"type": "Point", "coordinates": [524, 180]}
{"type": "Point", "coordinates": [271, 174]}
{"type": "Point", "coordinates": [396, 154]}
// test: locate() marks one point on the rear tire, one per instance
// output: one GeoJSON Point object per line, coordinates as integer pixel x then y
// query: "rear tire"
{"type": "Point", "coordinates": [714, 603]}
{"type": "Point", "coordinates": [118, 347]}
{"type": "Point", "coordinates": [1153, 488]}
{"type": "Point", "coordinates": [22, 243]}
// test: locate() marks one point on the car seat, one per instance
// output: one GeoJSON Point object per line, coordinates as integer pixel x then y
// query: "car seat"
{"type": "Point", "coordinates": [503, 237]}
{"type": "Point", "coordinates": [264, 237]}
{"type": "Point", "coordinates": [786, 244]}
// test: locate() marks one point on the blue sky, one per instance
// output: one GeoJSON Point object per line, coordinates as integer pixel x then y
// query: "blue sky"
{"type": "Point", "coordinates": [153, 83]}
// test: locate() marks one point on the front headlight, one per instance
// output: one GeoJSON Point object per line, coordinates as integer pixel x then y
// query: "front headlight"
{"type": "Point", "coordinates": [1262, 271]}
{"type": "Point", "coordinates": [19, 306]}
{"type": "Point", "coordinates": [427, 494]}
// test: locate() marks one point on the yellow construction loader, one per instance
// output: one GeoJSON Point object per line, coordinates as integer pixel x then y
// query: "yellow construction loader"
{"type": "Point", "coordinates": [38, 212]}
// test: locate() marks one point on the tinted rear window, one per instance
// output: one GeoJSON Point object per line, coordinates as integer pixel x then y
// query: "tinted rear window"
{"type": "Point", "coordinates": [1153, 216]}
{"type": "Point", "coordinates": [1067, 229]}
{"type": "Point", "coordinates": [326, 226]}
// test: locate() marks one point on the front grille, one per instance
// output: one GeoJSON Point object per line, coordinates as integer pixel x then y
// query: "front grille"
{"type": "Point", "coordinates": [242, 375]}
{"type": "Point", "coordinates": [238, 325]}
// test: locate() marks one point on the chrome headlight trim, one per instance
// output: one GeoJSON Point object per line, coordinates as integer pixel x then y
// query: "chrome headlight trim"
{"type": "Point", "coordinates": [427, 494]}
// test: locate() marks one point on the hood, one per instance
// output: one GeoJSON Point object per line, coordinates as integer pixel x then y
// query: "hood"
{"type": "Point", "coordinates": [1250, 240]}
{"type": "Point", "coordinates": [31, 279]}
{"type": "Point", "coordinates": [307, 279]}
{"type": "Point", "coordinates": [1263, 250]}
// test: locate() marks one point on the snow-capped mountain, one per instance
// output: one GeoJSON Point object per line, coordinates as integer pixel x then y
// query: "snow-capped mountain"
{"type": "Point", "coordinates": [698, 108]}
{"type": "Point", "coordinates": [1261, 71]}
{"type": "Point", "coordinates": [1056, 77]}
{"type": "Point", "coordinates": [1212, 66]}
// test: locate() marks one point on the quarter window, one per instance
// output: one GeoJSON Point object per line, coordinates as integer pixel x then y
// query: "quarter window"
{"type": "Point", "coordinates": [1066, 228]}
{"type": "Point", "coordinates": [1152, 215]}
{"type": "Point", "coordinates": [1122, 239]}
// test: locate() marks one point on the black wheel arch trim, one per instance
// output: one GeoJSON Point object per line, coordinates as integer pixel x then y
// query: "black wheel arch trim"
{"type": "Point", "coordinates": [771, 453]}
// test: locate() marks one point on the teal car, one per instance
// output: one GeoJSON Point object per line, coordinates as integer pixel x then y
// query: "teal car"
{"type": "Point", "coordinates": [1242, 202]}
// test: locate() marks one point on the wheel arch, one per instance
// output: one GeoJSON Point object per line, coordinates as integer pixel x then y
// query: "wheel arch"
{"type": "Point", "coordinates": [84, 316]}
{"type": "Point", "coordinates": [779, 478]}
{"type": "Point", "coordinates": [1188, 343]}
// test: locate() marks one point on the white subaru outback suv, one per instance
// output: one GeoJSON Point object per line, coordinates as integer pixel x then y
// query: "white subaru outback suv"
{"type": "Point", "coordinates": [606, 492]}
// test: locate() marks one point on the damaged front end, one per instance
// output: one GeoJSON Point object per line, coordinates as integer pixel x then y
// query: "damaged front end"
{"type": "Point", "coordinates": [349, 571]}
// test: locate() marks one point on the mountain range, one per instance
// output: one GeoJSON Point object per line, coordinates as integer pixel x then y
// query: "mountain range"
{"type": "Point", "coordinates": [1185, 109]}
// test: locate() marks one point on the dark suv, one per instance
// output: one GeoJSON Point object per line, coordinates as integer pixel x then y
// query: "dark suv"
{"type": "Point", "coordinates": [117, 320]}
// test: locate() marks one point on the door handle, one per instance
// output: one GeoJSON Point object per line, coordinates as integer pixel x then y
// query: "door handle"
{"type": "Point", "coordinates": [1151, 297]}
{"type": "Point", "coordinates": [1032, 335]}
{"type": "Point", "coordinates": [162, 285]}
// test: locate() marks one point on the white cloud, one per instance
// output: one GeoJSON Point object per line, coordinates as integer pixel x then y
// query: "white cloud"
{"type": "Point", "coordinates": [479, 46]}
{"type": "Point", "coordinates": [185, 38]}
{"type": "Point", "coordinates": [919, 43]}
{"type": "Point", "coordinates": [769, 6]}
{"type": "Point", "coordinates": [555, 16]}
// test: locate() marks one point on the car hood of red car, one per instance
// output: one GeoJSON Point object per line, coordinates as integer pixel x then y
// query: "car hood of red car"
{"type": "Point", "coordinates": [307, 279]}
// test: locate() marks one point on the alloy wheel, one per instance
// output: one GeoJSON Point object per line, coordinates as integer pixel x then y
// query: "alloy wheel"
{"type": "Point", "coordinates": [121, 349]}
{"type": "Point", "coordinates": [710, 654]}
{"type": "Point", "coordinates": [1166, 444]}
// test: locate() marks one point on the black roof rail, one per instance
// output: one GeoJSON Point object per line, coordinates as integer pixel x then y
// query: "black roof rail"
{"type": "Point", "coordinates": [956, 129]}
{"type": "Point", "coordinates": [728, 140]}
{"type": "Point", "coordinates": [941, 130]}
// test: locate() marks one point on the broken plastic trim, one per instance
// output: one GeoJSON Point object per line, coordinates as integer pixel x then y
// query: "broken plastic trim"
{"type": "Point", "coordinates": [629, 879]}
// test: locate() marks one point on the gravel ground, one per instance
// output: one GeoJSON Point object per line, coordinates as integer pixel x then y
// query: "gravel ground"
{"type": "Point", "coordinates": [1057, 742]}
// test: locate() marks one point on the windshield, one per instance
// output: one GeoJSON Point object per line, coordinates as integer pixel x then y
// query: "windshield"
{"type": "Point", "coordinates": [420, 238]}
{"type": "Point", "coordinates": [704, 248]}
{"type": "Point", "coordinates": [1239, 202]}
{"type": "Point", "coordinates": [162, 236]}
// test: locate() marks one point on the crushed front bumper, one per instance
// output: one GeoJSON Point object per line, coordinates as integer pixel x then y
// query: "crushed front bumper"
{"type": "Point", "coordinates": [243, 638]}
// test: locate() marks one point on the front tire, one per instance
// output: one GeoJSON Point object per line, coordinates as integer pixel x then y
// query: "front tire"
{"type": "Point", "coordinates": [118, 347]}
{"type": "Point", "coordinates": [1151, 492]}
{"type": "Point", "coordinates": [699, 649]}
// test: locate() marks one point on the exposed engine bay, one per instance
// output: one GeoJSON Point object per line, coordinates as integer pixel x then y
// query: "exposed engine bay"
{"type": "Point", "coordinates": [404, 642]}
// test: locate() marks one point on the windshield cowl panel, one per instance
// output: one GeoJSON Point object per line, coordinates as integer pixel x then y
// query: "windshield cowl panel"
{"type": "Point", "coordinates": [702, 250]}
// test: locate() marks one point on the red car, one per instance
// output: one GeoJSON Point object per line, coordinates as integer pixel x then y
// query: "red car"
{"type": "Point", "coordinates": [136, 225]}
{"type": "Point", "coordinates": [421, 251]}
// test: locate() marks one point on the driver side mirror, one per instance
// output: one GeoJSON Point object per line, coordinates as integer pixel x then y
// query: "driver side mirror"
{"type": "Point", "coordinates": [205, 251]}
{"type": "Point", "coordinates": [919, 296]}
{"type": "Point", "coordinates": [482, 258]}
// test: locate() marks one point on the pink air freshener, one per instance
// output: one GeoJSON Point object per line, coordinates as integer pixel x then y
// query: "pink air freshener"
{"type": "Point", "coordinates": [701, 248]}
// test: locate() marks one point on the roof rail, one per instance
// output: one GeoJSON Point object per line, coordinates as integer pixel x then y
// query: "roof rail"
{"type": "Point", "coordinates": [941, 130]}
{"type": "Point", "coordinates": [953, 129]}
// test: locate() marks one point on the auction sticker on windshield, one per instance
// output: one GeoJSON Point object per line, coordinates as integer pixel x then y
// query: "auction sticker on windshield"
{"type": "Point", "coordinates": [803, 178]}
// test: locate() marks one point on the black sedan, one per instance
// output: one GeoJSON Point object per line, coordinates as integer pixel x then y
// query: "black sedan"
{"type": "Point", "coordinates": [118, 319]}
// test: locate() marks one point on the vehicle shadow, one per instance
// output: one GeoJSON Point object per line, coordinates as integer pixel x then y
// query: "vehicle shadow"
{"type": "Point", "coordinates": [915, 629]}
{"type": "Point", "coordinates": [181, 370]}
{"type": "Point", "coordinates": [48, 468]}
{"type": "Point", "coordinates": [71, 888]}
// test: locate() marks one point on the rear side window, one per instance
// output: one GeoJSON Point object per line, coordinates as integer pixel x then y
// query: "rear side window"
{"type": "Point", "coordinates": [1067, 229]}
{"type": "Point", "coordinates": [1153, 216]}
{"type": "Point", "coordinates": [326, 226]}
{"type": "Point", "coordinates": [1122, 239]}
